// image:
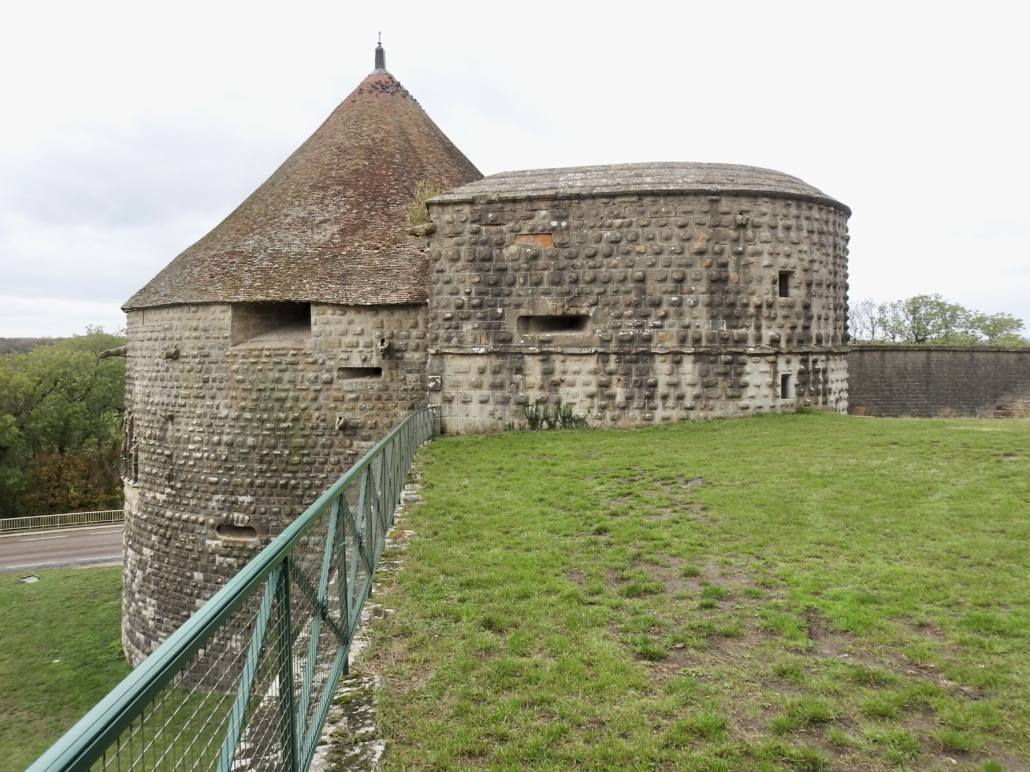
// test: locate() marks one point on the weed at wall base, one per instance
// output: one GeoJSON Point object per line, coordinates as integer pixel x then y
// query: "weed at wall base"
{"type": "Point", "coordinates": [562, 418]}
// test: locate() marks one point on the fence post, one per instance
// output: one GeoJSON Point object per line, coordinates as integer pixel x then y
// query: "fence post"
{"type": "Point", "coordinates": [286, 708]}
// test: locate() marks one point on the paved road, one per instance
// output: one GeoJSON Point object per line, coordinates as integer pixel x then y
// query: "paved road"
{"type": "Point", "coordinates": [61, 547]}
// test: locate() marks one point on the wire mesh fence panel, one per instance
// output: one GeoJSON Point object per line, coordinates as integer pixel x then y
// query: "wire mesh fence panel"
{"type": "Point", "coordinates": [184, 725]}
{"type": "Point", "coordinates": [246, 683]}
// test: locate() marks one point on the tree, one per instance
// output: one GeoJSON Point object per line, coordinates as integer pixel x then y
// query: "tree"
{"type": "Point", "coordinates": [864, 320]}
{"type": "Point", "coordinates": [12, 457]}
{"type": "Point", "coordinates": [23, 345]}
{"type": "Point", "coordinates": [930, 319]}
{"type": "Point", "coordinates": [77, 482]}
{"type": "Point", "coordinates": [62, 401]}
{"type": "Point", "coordinates": [999, 329]}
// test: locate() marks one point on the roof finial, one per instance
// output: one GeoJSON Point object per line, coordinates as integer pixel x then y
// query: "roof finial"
{"type": "Point", "coordinates": [380, 56]}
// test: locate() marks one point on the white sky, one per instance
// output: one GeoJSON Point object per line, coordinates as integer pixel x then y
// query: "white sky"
{"type": "Point", "coordinates": [131, 129]}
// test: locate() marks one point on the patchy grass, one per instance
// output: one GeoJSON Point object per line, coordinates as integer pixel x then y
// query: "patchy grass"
{"type": "Point", "coordinates": [800, 713]}
{"type": "Point", "coordinates": [60, 653]}
{"type": "Point", "coordinates": [779, 592]}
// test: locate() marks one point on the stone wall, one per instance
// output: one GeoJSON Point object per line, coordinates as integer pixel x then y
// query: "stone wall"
{"type": "Point", "coordinates": [927, 381]}
{"type": "Point", "coordinates": [226, 444]}
{"type": "Point", "coordinates": [636, 308]}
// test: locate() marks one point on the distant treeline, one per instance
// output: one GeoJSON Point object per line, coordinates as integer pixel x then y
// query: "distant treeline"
{"type": "Point", "coordinates": [60, 425]}
{"type": "Point", "coordinates": [24, 345]}
{"type": "Point", "coordinates": [931, 320]}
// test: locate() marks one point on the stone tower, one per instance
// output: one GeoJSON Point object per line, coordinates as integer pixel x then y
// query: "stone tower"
{"type": "Point", "coordinates": [271, 354]}
{"type": "Point", "coordinates": [639, 293]}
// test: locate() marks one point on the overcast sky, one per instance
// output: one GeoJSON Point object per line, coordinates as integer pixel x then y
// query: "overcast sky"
{"type": "Point", "coordinates": [131, 129]}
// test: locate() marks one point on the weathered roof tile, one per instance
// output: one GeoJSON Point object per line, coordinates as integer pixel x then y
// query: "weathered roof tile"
{"type": "Point", "coordinates": [329, 225]}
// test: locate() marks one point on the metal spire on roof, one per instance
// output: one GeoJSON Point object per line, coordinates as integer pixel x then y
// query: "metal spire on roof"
{"type": "Point", "coordinates": [380, 56]}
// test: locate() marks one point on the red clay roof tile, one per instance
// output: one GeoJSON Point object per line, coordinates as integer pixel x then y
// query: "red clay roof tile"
{"type": "Point", "coordinates": [329, 226]}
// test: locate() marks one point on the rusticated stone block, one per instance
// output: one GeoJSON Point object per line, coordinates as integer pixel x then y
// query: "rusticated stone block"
{"type": "Point", "coordinates": [601, 290]}
{"type": "Point", "coordinates": [244, 435]}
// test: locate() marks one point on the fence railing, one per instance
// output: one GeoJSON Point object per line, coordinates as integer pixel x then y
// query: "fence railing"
{"type": "Point", "coordinates": [36, 522]}
{"type": "Point", "coordinates": [246, 683]}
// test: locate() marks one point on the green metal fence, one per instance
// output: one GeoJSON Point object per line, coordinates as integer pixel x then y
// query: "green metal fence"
{"type": "Point", "coordinates": [37, 522]}
{"type": "Point", "coordinates": [246, 683]}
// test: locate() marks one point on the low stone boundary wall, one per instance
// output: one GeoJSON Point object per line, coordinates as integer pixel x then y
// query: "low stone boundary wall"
{"type": "Point", "coordinates": [929, 381]}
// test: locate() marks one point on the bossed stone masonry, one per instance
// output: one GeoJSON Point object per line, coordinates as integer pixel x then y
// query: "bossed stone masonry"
{"type": "Point", "coordinates": [230, 443]}
{"type": "Point", "coordinates": [635, 305]}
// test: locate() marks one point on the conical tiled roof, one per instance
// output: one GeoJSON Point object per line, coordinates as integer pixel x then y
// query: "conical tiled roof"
{"type": "Point", "coordinates": [330, 224]}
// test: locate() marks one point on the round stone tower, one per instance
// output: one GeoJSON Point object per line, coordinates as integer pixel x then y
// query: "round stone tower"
{"type": "Point", "coordinates": [636, 293]}
{"type": "Point", "coordinates": [275, 351]}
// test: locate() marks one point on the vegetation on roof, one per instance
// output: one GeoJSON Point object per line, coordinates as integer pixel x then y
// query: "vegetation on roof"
{"type": "Point", "coordinates": [416, 210]}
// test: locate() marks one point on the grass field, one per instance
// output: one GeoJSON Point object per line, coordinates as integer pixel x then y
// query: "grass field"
{"type": "Point", "coordinates": [781, 592]}
{"type": "Point", "coordinates": [59, 654]}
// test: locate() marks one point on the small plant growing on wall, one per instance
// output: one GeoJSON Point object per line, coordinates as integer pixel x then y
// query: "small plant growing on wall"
{"type": "Point", "coordinates": [565, 418]}
{"type": "Point", "coordinates": [416, 209]}
{"type": "Point", "coordinates": [543, 418]}
{"type": "Point", "coordinates": [534, 416]}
